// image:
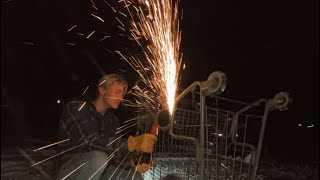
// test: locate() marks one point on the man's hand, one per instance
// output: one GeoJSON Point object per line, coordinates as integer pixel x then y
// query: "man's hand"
{"type": "Point", "coordinates": [143, 143]}
{"type": "Point", "coordinates": [140, 163]}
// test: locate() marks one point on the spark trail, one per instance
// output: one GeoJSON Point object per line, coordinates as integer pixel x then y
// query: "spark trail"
{"type": "Point", "coordinates": [73, 171]}
{"type": "Point", "coordinates": [154, 26]}
{"type": "Point", "coordinates": [50, 145]}
{"type": "Point", "coordinates": [119, 165]}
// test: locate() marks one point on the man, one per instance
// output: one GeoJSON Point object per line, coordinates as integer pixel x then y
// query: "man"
{"type": "Point", "coordinates": [89, 126]}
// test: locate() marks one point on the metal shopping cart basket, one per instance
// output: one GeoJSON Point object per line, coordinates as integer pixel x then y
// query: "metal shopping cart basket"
{"type": "Point", "coordinates": [211, 137]}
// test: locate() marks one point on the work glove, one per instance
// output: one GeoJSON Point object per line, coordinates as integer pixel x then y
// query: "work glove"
{"type": "Point", "coordinates": [143, 143]}
{"type": "Point", "coordinates": [142, 162]}
{"type": "Point", "coordinates": [144, 167]}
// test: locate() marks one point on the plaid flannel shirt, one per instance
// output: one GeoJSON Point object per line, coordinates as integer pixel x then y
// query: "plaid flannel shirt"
{"type": "Point", "coordinates": [87, 128]}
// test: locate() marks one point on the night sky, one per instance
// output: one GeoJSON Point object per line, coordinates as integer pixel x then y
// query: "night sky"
{"type": "Point", "coordinates": [263, 47]}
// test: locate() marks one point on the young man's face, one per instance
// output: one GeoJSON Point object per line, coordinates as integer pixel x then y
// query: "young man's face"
{"type": "Point", "coordinates": [114, 94]}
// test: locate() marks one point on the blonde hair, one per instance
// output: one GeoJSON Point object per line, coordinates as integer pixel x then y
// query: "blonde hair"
{"type": "Point", "coordinates": [107, 80]}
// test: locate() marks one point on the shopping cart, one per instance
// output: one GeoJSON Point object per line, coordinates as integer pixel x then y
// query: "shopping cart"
{"type": "Point", "coordinates": [211, 137]}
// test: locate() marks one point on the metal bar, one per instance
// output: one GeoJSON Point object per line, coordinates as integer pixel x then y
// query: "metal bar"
{"type": "Point", "coordinates": [186, 91]}
{"type": "Point", "coordinates": [201, 147]}
{"type": "Point", "coordinates": [235, 117]}
{"type": "Point", "coordinates": [217, 142]}
{"type": "Point", "coordinates": [226, 99]}
{"type": "Point", "coordinates": [207, 147]}
{"type": "Point", "coordinates": [177, 99]}
{"type": "Point", "coordinates": [225, 150]}
{"type": "Point", "coordinates": [257, 156]}
{"type": "Point", "coordinates": [234, 128]}
{"type": "Point", "coordinates": [234, 153]}
{"type": "Point", "coordinates": [244, 140]}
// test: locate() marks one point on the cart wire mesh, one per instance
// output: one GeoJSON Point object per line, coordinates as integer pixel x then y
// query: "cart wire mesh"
{"type": "Point", "coordinates": [230, 141]}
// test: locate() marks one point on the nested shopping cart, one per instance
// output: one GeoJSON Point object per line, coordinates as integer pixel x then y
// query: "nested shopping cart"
{"type": "Point", "coordinates": [211, 137]}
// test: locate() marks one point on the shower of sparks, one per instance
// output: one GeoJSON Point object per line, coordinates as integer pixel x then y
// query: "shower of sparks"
{"type": "Point", "coordinates": [108, 50]}
{"type": "Point", "coordinates": [131, 125]}
{"type": "Point", "coordinates": [117, 138]}
{"type": "Point", "coordinates": [120, 22]}
{"type": "Point", "coordinates": [35, 164]}
{"type": "Point", "coordinates": [72, 28]}
{"type": "Point", "coordinates": [118, 148]}
{"type": "Point", "coordinates": [74, 147]}
{"type": "Point", "coordinates": [114, 10]}
{"type": "Point", "coordinates": [136, 104]}
{"type": "Point", "coordinates": [73, 171]}
{"type": "Point", "coordinates": [224, 166]}
{"type": "Point", "coordinates": [71, 44]}
{"type": "Point", "coordinates": [122, 14]}
{"type": "Point", "coordinates": [50, 145]}
{"type": "Point", "coordinates": [108, 159]}
{"type": "Point", "coordinates": [93, 4]}
{"type": "Point", "coordinates": [82, 106]}
{"type": "Point", "coordinates": [102, 82]}
{"type": "Point", "coordinates": [97, 17]}
{"type": "Point", "coordinates": [28, 43]}
{"type": "Point", "coordinates": [122, 168]}
{"type": "Point", "coordinates": [135, 169]}
{"type": "Point", "coordinates": [85, 90]}
{"type": "Point", "coordinates": [125, 126]}
{"type": "Point", "coordinates": [104, 38]}
{"type": "Point", "coordinates": [136, 118]}
{"type": "Point", "coordinates": [90, 34]}
{"type": "Point", "coordinates": [121, 28]}
{"type": "Point", "coordinates": [154, 26]}
{"type": "Point", "coordinates": [119, 165]}
{"type": "Point", "coordinates": [157, 23]}
{"type": "Point", "coordinates": [23, 153]}
{"type": "Point", "coordinates": [95, 8]}
{"type": "Point", "coordinates": [7, 1]}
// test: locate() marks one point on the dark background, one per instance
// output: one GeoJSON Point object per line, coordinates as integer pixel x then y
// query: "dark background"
{"type": "Point", "coordinates": [262, 46]}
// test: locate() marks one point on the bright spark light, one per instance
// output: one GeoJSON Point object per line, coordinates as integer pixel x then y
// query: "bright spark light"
{"type": "Point", "coordinates": [120, 164]}
{"type": "Point", "coordinates": [157, 23]}
{"type": "Point", "coordinates": [85, 90]}
{"type": "Point", "coordinates": [310, 126]}
{"type": "Point", "coordinates": [82, 106]}
{"type": "Point", "coordinates": [72, 27]}
{"type": "Point", "coordinates": [127, 126]}
{"type": "Point", "coordinates": [97, 17]}
{"type": "Point", "coordinates": [218, 134]}
{"type": "Point", "coordinates": [51, 145]}
{"type": "Point", "coordinates": [90, 34]}
{"type": "Point", "coordinates": [73, 171]}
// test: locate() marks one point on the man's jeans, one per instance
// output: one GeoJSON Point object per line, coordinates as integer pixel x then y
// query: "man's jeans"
{"type": "Point", "coordinates": [95, 168]}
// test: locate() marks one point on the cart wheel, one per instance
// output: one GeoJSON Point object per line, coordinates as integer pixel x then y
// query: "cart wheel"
{"type": "Point", "coordinates": [215, 84]}
{"type": "Point", "coordinates": [281, 101]}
